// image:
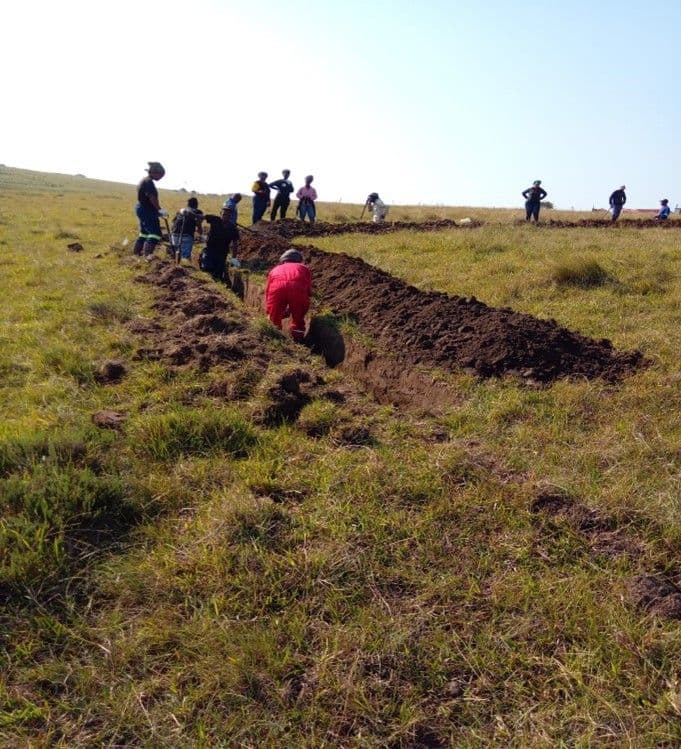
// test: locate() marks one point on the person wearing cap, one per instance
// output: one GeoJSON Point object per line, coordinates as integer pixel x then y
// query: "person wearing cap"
{"type": "Point", "coordinates": [533, 198]}
{"type": "Point", "coordinates": [665, 210]}
{"type": "Point", "coordinates": [261, 196]}
{"type": "Point", "coordinates": [617, 201]}
{"type": "Point", "coordinates": [230, 209]}
{"type": "Point", "coordinates": [306, 200]}
{"type": "Point", "coordinates": [148, 210]}
{"type": "Point", "coordinates": [185, 225]}
{"type": "Point", "coordinates": [377, 207]}
{"type": "Point", "coordinates": [284, 188]}
{"type": "Point", "coordinates": [288, 290]}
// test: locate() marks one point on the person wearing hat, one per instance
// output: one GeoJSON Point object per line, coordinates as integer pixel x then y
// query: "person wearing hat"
{"type": "Point", "coordinates": [185, 225]}
{"type": "Point", "coordinates": [377, 207]}
{"type": "Point", "coordinates": [261, 196]}
{"type": "Point", "coordinates": [617, 201]}
{"type": "Point", "coordinates": [288, 290]}
{"type": "Point", "coordinates": [284, 188]}
{"type": "Point", "coordinates": [148, 210]}
{"type": "Point", "coordinates": [533, 198]}
{"type": "Point", "coordinates": [306, 200]}
{"type": "Point", "coordinates": [665, 210]}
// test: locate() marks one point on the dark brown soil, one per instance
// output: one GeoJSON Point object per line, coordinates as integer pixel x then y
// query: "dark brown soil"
{"type": "Point", "coordinates": [75, 247]}
{"type": "Point", "coordinates": [111, 371]}
{"type": "Point", "coordinates": [657, 594]}
{"type": "Point", "coordinates": [592, 223]}
{"type": "Point", "coordinates": [603, 534]}
{"type": "Point", "coordinates": [290, 228]}
{"type": "Point", "coordinates": [435, 330]}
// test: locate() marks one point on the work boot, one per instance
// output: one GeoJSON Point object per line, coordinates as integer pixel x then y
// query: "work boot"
{"type": "Point", "coordinates": [149, 248]}
{"type": "Point", "coordinates": [138, 247]}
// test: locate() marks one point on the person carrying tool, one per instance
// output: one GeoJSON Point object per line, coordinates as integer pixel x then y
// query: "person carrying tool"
{"type": "Point", "coordinates": [288, 290]}
{"type": "Point", "coordinates": [284, 188]}
{"type": "Point", "coordinates": [230, 209]}
{"type": "Point", "coordinates": [533, 198]}
{"type": "Point", "coordinates": [306, 200]}
{"type": "Point", "coordinates": [665, 210]}
{"type": "Point", "coordinates": [617, 201]}
{"type": "Point", "coordinates": [261, 196]}
{"type": "Point", "coordinates": [148, 210]}
{"type": "Point", "coordinates": [185, 224]}
{"type": "Point", "coordinates": [377, 207]}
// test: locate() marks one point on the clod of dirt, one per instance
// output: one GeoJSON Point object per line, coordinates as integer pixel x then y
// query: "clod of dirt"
{"type": "Point", "coordinates": [658, 595]}
{"type": "Point", "coordinates": [202, 325]}
{"type": "Point", "coordinates": [111, 371]}
{"type": "Point", "coordinates": [202, 302]}
{"type": "Point", "coordinates": [284, 400]}
{"type": "Point", "coordinates": [108, 419]}
{"type": "Point", "coordinates": [353, 435]}
{"type": "Point", "coordinates": [75, 247]}
{"type": "Point", "coordinates": [143, 327]}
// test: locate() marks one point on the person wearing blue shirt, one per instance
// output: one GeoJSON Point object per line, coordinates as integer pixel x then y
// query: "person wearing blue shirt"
{"type": "Point", "coordinates": [665, 210]}
{"type": "Point", "coordinates": [229, 208]}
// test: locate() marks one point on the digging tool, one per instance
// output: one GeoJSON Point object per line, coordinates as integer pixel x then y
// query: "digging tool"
{"type": "Point", "coordinates": [364, 207]}
{"type": "Point", "coordinates": [176, 250]}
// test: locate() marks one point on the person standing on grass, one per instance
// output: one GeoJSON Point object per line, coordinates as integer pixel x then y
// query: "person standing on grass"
{"type": "Point", "coordinates": [665, 210]}
{"type": "Point", "coordinates": [185, 225]}
{"type": "Point", "coordinates": [306, 200]}
{"type": "Point", "coordinates": [533, 198]}
{"type": "Point", "coordinates": [284, 188]}
{"type": "Point", "coordinates": [288, 290]}
{"type": "Point", "coordinates": [377, 207]}
{"type": "Point", "coordinates": [261, 196]}
{"type": "Point", "coordinates": [148, 210]}
{"type": "Point", "coordinates": [617, 201]}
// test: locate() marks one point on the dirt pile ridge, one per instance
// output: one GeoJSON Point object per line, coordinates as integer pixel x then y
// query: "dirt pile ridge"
{"type": "Point", "coordinates": [434, 329]}
{"type": "Point", "coordinates": [290, 228]}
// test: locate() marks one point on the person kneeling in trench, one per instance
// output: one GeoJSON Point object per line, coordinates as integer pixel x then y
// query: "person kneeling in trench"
{"type": "Point", "coordinates": [288, 290]}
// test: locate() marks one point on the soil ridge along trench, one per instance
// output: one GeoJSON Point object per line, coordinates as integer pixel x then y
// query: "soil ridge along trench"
{"type": "Point", "coordinates": [438, 331]}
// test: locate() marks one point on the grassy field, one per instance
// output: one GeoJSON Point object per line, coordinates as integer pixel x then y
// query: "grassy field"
{"type": "Point", "coordinates": [202, 578]}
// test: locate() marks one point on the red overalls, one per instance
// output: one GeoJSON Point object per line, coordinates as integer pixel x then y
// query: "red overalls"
{"type": "Point", "coordinates": [289, 286]}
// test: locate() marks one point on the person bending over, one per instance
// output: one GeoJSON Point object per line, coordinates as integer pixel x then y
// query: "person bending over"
{"type": "Point", "coordinates": [288, 290]}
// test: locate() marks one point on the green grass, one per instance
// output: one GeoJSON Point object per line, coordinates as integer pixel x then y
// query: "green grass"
{"type": "Point", "coordinates": [196, 580]}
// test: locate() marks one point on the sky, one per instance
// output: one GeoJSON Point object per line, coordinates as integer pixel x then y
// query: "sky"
{"type": "Point", "coordinates": [432, 102]}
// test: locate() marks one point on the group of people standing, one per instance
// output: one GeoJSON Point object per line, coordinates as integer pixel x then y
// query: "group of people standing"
{"type": "Point", "coordinates": [262, 189]}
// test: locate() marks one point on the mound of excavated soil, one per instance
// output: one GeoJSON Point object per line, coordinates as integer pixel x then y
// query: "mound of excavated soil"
{"type": "Point", "coordinates": [436, 330]}
{"type": "Point", "coordinates": [290, 228]}
{"type": "Point", "coordinates": [591, 223]}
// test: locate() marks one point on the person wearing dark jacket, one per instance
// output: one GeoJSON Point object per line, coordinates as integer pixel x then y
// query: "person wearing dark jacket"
{"type": "Point", "coordinates": [533, 198]}
{"type": "Point", "coordinates": [148, 210]}
{"type": "Point", "coordinates": [213, 258]}
{"type": "Point", "coordinates": [617, 201]}
{"type": "Point", "coordinates": [185, 225]}
{"type": "Point", "coordinates": [261, 196]}
{"type": "Point", "coordinates": [284, 188]}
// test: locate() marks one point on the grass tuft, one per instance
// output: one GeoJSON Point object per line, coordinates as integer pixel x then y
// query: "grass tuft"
{"type": "Point", "coordinates": [584, 272]}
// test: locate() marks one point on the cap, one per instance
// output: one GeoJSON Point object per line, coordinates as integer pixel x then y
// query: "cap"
{"type": "Point", "coordinates": [291, 256]}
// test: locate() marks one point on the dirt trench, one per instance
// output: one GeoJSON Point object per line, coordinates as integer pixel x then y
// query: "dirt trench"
{"type": "Point", "coordinates": [291, 228]}
{"type": "Point", "coordinates": [436, 331]}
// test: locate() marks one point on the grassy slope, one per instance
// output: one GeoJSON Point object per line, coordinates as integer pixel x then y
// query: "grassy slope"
{"type": "Point", "coordinates": [401, 592]}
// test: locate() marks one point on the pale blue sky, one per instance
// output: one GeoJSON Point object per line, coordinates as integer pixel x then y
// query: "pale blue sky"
{"type": "Point", "coordinates": [457, 103]}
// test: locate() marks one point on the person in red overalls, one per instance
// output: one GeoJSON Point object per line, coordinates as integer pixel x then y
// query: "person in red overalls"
{"type": "Point", "coordinates": [288, 290]}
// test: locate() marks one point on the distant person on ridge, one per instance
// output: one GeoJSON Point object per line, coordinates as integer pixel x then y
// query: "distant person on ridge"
{"type": "Point", "coordinates": [185, 225]}
{"type": "Point", "coordinates": [665, 210]}
{"type": "Point", "coordinates": [377, 207]}
{"type": "Point", "coordinates": [261, 196]}
{"type": "Point", "coordinates": [617, 201]}
{"type": "Point", "coordinates": [306, 200]}
{"type": "Point", "coordinates": [288, 290]}
{"type": "Point", "coordinates": [284, 188]}
{"type": "Point", "coordinates": [148, 210]}
{"type": "Point", "coordinates": [533, 198]}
